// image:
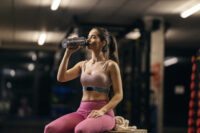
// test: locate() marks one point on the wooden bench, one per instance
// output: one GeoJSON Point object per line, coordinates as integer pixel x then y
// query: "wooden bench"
{"type": "Point", "coordinates": [136, 131]}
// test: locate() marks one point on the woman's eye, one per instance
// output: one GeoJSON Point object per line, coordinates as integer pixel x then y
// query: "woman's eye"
{"type": "Point", "coordinates": [92, 36]}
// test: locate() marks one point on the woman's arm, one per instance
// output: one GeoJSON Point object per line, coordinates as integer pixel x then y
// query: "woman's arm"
{"type": "Point", "coordinates": [113, 68]}
{"type": "Point", "coordinates": [64, 74]}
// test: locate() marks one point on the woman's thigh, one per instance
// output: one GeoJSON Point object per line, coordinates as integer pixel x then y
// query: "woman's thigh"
{"type": "Point", "coordinates": [96, 125]}
{"type": "Point", "coordinates": [64, 124]}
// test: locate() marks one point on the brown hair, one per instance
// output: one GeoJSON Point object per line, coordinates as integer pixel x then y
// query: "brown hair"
{"type": "Point", "coordinates": [110, 50]}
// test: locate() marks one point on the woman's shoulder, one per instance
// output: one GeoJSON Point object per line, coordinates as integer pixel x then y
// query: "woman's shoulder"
{"type": "Point", "coordinates": [80, 63]}
{"type": "Point", "coordinates": [112, 64]}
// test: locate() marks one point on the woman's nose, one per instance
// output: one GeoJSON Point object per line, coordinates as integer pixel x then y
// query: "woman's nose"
{"type": "Point", "coordinates": [88, 39]}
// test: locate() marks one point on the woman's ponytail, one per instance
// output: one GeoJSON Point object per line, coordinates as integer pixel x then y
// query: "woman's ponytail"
{"type": "Point", "coordinates": [113, 49]}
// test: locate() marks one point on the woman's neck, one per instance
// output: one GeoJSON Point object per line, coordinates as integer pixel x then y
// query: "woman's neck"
{"type": "Point", "coordinates": [97, 56]}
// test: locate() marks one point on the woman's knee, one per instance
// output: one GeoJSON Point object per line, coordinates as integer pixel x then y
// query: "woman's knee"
{"type": "Point", "coordinates": [55, 128]}
{"type": "Point", "coordinates": [51, 129]}
{"type": "Point", "coordinates": [48, 129]}
{"type": "Point", "coordinates": [81, 129]}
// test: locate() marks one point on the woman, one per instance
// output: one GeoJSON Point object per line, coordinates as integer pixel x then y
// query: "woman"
{"type": "Point", "coordinates": [95, 113]}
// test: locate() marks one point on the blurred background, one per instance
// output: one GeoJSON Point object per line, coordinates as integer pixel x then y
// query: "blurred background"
{"type": "Point", "coordinates": [156, 41]}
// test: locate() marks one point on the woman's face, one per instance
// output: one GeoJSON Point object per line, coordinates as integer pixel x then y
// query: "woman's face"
{"type": "Point", "coordinates": [94, 40]}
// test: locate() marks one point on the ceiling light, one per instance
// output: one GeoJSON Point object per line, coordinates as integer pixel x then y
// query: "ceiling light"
{"type": "Point", "coordinates": [134, 35]}
{"type": "Point", "coordinates": [190, 11]}
{"type": "Point", "coordinates": [42, 39]}
{"type": "Point", "coordinates": [34, 57]}
{"type": "Point", "coordinates": [9, 85]}
{"type": "Point", "coordinates": [170, 61]}
{"type": "Point", "coordinates": [12, 73]}
{"type": "Point", "coordinates": [55, 4]}
{"type": "Point", "coordinates": [31, 67]}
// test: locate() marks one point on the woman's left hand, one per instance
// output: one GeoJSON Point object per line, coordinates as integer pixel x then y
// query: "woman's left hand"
{"type": "Point", "coordinates": [96, 113]}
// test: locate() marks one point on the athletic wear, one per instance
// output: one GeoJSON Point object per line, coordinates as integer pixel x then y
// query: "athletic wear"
{"type": "Point", "coordinates": [99, 79]}
{"type": "Point", "coordinates": [95, 89]}
{"type": "Point", "coordinates": [78, 122]}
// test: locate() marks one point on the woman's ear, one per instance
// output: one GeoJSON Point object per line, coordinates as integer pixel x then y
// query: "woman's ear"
{"type": "Point", "coordinates": [103, 43]}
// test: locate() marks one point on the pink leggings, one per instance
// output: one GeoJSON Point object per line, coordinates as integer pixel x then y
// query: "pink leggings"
{"type": "Point", "coordinates": [79, 123]}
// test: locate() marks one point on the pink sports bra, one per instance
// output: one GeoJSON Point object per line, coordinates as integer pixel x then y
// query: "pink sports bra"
{"type": "Point", "coordinates": [97, 80]}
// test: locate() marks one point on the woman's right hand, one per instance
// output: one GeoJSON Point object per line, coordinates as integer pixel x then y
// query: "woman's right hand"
{"type": "Point", "coordinates": [72, 49]}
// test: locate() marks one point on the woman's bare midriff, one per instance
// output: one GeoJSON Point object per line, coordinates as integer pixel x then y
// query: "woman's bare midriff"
{"type": "Point", "coordinates": [94, 95]}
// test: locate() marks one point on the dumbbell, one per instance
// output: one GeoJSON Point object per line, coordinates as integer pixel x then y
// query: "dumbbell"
{"type": "Point", "coordinates": [193, 76]}
{"type": "Point", "coordinates": [191, 104]}
{"type": "Point", "coordinates": [191, 130]}
{"type": "Point", "coordinates": [191, 113]}
{"type": "Point", "coordinates": [199, 103]}
{"type": "Point", "coordinates": [192, 85]}
{"type": "Point", "coordinates": [190, 122]}
{"type": "Point", "coordinates": [193, 94]}
{"type": "Point", "coordinates": [197, 122]}
{"type": "Point", "coordinates": [198, 113]}
{"type": "Point", "coordinates": [193, 59]}
{"type": "Point", "coordinates": [194, 67]}
{"type": "Point", "coordinates": [198, 130]}
{"type": "Point", "coordinates": [198, 94]}
{"type": "Point", "coordinates": [199, 76]}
